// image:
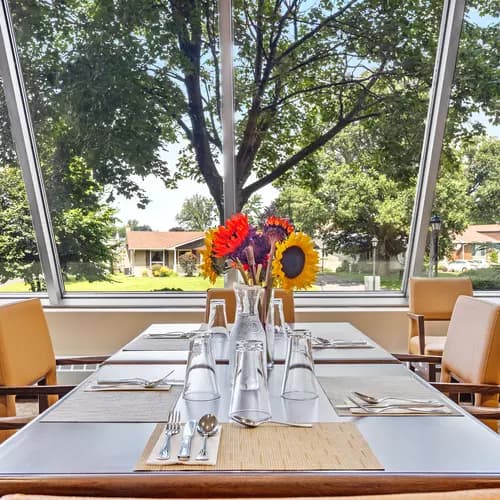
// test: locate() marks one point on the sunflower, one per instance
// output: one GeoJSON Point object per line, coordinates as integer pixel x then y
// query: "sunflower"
{"type": "Point", "coordinates": [210, 268]}
{"type": "Point", "coordinates": [296, 262]}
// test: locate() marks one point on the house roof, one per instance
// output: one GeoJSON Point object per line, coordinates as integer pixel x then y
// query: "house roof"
{"type": "Point", "coordinates": [156, 240]}
{"type": "Point", "coordinates": [479, 233]}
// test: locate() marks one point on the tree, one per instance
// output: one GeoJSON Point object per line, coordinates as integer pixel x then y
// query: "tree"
{"type": "Point", "coordinates": [482, 160]}
{"type": "Point", "coordinates": [197, 213]}
{"type": "Point", "coordinates": [133, 225]}
{"type": "Point", "coordinates": [83, 233]}
{"type": "Point", "coordinates": [123, 80]}
{"type": "Point", "coordinates": [189, 263]}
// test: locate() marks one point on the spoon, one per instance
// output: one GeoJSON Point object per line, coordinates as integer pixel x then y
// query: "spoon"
{"type": "Point", "coordinates": [208, 425]}
{"type": "Point", "coordinates": [248, 422]}
{"type": "Point", "coordinates": [373, 400]}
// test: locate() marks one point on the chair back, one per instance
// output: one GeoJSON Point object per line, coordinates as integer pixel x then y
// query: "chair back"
{"type": "Point", "coordinates": [472, 350]}
{"type": "Point", "coordinates": [434, 298]}
{"type": "Point", "coordinates": [228, 295]}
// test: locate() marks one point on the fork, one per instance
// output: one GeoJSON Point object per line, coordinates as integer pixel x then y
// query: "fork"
{"type": "Point", "coordinates": [415, 409]}
{"type": "Point", "coordinates": [148, 384]}
{"type": "Point", "coordinates": [172, 427]}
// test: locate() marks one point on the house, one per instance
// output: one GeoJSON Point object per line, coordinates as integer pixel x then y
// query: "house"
{"type": "Point", "coordinates": [476, 242]}
{"type": "Point", "coordinates": [144, 249]}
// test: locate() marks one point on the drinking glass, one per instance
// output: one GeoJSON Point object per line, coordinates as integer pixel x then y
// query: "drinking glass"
{"type": "Point", "coordinates": [217, 318]}
{"type": "Point", "coordinates": [249, 397]}
{"type": "Point", "coordinates": [277, 316]}
{"type": "Point", "coordinates": [299, 381]}
{"type": "Point", "coordinates": [201, 380]}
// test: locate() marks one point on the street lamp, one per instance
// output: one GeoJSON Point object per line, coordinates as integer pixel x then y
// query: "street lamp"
{"type": "Point", "coordinates": [435, 223]}
{"type": "Point", "coordinates": [374, 257]}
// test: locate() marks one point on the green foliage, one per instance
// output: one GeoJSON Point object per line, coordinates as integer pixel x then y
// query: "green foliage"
{"type": "Point", "coordinates": [484, 279]}
{"type": "Point", "coordinates": [197, 213]}
{"type": "Point", "coordinates": [493, 257]}
{"type": "Point", "coordinates": [189, 263]}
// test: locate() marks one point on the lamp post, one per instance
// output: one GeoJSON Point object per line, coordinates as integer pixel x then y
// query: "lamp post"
{"type": "Point", "coordinates": [374, 258]}
{"type": "Point", "coordinates": [435, 223]}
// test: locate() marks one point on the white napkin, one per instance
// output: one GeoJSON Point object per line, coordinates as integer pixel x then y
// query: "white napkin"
{"type": "Point", "coordinates": [196, 444]}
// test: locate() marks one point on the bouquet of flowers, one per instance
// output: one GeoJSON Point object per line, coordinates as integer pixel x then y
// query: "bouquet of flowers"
{"type": "Point", "coordinates": [275, 255]}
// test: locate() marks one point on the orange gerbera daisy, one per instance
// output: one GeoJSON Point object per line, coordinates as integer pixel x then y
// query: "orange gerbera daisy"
{"type": "Point", "coordinates": [231, 240]}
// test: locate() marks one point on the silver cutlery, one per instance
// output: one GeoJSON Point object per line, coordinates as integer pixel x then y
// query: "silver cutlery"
{"type": "Point", "coordinates": [148, 384]}
{"type": "Point", "coordinates": [372, 400]}
{"type": "Point", "coordinates": [187, 436]}
{"type": "Point", "coordinates": [414, 409]}
{"type": "Point", "coordinates": [172, 427]}
{"type": "Point", "coordinates": [208, 425]}
{"type": "Point", "coordinates": [247, 422]}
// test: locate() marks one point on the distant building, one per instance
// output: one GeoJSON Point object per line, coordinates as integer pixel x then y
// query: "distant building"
{"type": "Point", "coordinates": [476, 242]}
{"type": "Point", "coordinates": [147, 248]}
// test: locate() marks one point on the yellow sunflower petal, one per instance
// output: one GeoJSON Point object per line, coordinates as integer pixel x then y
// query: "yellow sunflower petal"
{"type": "Point", "coordinates": [207, 266]}
{"type": "Point", "coordinates": [295, 246]}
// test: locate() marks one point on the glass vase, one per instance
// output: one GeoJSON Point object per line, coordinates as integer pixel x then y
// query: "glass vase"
{"type": "Point", "coordinates": [247, 324]}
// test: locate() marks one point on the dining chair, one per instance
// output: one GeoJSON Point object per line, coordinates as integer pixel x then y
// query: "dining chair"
{"type": "Point", "coordinates": [27, 361]}
{"type": "Point", "coordinates": [228, 295]}
{"type": "Point", "coordinates": [432, 299]}
{"type": "Point", "coordinates": [471, 357]}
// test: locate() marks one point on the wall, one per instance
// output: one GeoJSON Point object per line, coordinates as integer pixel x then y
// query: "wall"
{"type": "Point", "coordinates": [94, 331]}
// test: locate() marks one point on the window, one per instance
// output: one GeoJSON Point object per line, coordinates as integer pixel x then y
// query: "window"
{"type": "Point", "coordinates": [331, 128]}
{"type": "Point", "coordinates": [468, 189]}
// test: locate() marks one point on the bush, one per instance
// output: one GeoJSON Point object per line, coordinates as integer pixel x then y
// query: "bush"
{"type": "Point", "coordinates": [485, 279]}
{"type": "Point", "coordinates": [189, 263]}
{"type": "Point", "coordinates": [155, 270]}
{"type": "Point", "coordinates": [493, 257]}
{"type": "Point", "coordinates": [145, 273]}
{"type": "Point", "coordinates": [165, 272]}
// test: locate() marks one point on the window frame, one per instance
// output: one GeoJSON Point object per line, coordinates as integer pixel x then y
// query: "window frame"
{"type": "Point", "coordinates": [24, 139]}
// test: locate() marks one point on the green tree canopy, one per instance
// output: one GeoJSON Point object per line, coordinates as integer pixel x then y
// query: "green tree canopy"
{"type": "Point", "coordinates": [197, 213]}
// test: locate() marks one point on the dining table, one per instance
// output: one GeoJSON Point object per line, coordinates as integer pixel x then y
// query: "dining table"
{"type": "Point", "coordinates": [100, 443]}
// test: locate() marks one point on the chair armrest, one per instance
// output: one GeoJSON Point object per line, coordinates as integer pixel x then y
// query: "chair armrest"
{"type": "Point", "coordinates": [81, 360]}
{"type": "Point", "coordinates": [483, 412]}
{"type": "Point", "coordinates": [459, 387]}
{"type": "Point", "coordinates": [419, 318]}
{"type": "Point", "coordinates": [13, 423]}
{"type": "Point", "coordinates": [418, 358]}
{"type": "Point", "coordinates": [35, 390]}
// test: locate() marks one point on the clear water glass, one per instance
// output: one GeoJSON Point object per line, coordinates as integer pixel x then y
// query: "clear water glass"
{"type": "Point", "coordinates": [299, 380]}
{"type": "Point", "coordinates": [217, 318]}
{"type": "Point", "coordinates": [250, 397]}
{"type": "Point", "coordinates": [201, 379]}
{"type": "Point", "coordinates": [277, 316]}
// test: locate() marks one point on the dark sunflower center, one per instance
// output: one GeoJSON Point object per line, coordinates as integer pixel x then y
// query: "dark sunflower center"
{"type": "Point", "coordinates": [293, 261]}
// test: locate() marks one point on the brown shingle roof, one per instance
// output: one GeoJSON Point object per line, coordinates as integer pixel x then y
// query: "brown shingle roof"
{"type": "Point", "coordinates": [480, 233]}
{"type": "Point", "coordinates": [156, 240]}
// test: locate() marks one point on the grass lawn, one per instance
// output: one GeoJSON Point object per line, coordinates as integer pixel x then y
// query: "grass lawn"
{"type": "Point", "coordinates": [122, 283]}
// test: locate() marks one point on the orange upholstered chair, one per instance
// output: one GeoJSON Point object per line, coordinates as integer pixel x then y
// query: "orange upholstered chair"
{"type": "Point", "coordinates": [471, 356]}
{"type": "Point", "coordinates": [432, 299]}
{"type": "Point", "coordinates": [27, 358]}
{"type": "Point", "coordinates": [228, 295]}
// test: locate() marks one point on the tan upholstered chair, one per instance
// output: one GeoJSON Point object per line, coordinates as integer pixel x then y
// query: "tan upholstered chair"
{"type": "Point", "coordinates": [432, 299]}
{"type": "Point", "coordinates": [228, 295]}
{"type": "Point", "coordinates": [471, 356]}
{"type": "Point", "coordinates": [27, 361]}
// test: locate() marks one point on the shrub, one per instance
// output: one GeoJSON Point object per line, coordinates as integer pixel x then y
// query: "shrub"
{"type": "Point", "coordinates": [493, 257]}
{"type": "Point", "coordinates": [165, 271]}
{"type": "Point", "coordinates": [484, 279]}
{"type": "Point", "coordinates": [189, 263]}
{"type": "Point", "coordinates": [145, 273]}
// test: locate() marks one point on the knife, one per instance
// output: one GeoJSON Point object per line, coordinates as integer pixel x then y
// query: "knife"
{"type": "Point", "coordinates": [187, 435]}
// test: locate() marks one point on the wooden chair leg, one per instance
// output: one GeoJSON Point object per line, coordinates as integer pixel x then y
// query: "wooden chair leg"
{"type": "Point", "coordinates": [43, 399]}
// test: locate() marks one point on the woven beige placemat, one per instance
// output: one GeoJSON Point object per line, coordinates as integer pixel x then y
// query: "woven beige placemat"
{"type": "Point", "coordinates": [146, 343]}
{"type": "Point", "coordinates": [338, 389]}
{"type": "Point", "coordinates": [114, 406]}
{"type": "Point", "coordinates": [326, 446]}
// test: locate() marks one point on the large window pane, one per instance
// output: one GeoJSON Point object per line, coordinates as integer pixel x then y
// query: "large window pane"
{"type": "Point", "coordinates": [468, 190]}
{"type": "Point", "coordinates": [20, 269]}
{"type": "Point", "coordinates": [331, 100]}
{"type": "Point", "coordinates": [125, 104]}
